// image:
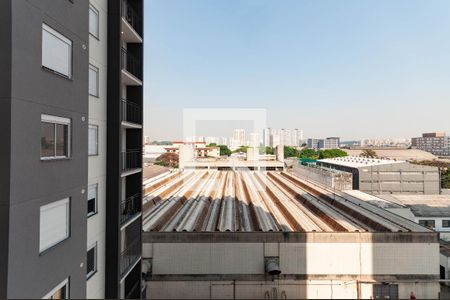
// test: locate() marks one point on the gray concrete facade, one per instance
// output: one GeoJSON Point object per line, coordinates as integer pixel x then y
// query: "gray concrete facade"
{"type": "Point", "coordinates": [394, 178]}
{"type": "Point", "coordinates": [26, 181]}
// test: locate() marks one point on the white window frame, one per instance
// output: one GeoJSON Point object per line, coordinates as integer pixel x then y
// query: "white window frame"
{"type": "Point", "coordinates": [95, 186]}
{"type": "Point", "coordinates": [66, 201]}
{"type": "Point", "coordinates": [92, 273]}
{"type": "Point", "coordinates": [61, 121]}
{"type": "Point", "coordinates": [65, 283]}
{"type": "Point", "coordinates": [97, 80]}
{"type": "Point", "coordinates": [96, 139]}
{"type": "Point", "coordinates": [95, 11]}
{"type": "Point", "coordinates": [64, 39]}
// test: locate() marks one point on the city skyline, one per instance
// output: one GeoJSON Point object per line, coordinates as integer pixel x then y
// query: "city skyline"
{"type": "Point", "coordinates": [323, 67]}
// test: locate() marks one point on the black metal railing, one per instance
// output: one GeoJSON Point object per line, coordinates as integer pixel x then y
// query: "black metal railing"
{"type": "Point", "coordinates": [130, 207]}
{"type": "Point", "coordinates": [131, 159]}
{"type": "Point", "coordinates": [131, 16]}
{"type": "Point", "coordinates": [134, 291]}
{"type": "Point", "coordinates": [130, 255]}
{"type": "Point", "coordinates": [130, 63]}
{"type": "Point", "coordinates": [131, 112]}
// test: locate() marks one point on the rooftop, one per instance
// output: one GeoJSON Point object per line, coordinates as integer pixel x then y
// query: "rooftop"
{"type": "Point", "coordinates": [422, 205]}
{"type": "Point", "coordinates": [399, 154]}
{"type": "Point", "coordinates": [151, 171]}
{"type": "Point", "coordinates": [357, 161]}
{"type": "Point", "coordinates": [247, 201]}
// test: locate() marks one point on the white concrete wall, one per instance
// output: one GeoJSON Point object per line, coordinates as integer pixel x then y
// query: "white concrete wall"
{"type": "Point", "coordinates": [297, 258]}
{"type": "Point", "coordinates": [97, 164]}
{"type": "Point", "coordinates": [280, 289]}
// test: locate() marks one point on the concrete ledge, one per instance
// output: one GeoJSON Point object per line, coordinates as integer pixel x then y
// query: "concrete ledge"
{"type": "Point", "coordinates": [265, 277]}
{"type": "Point", "coordinates": [290, 237]}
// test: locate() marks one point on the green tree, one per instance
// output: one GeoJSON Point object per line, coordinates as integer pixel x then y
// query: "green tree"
{"type": "Point", "coordinates": [290, 152]}
{"type": "Point", "coordinates": [224, 150]}
{"type": "Point", "coordinates": [265, 150]}
{"type": "Point", "coordinates": [169, 160]}
{"type": "Point", "coordinates": [308, 153]}
{"type": "Point", "coordinates": [369, 153]}
{"type": "Point", "coordinates": [241, 149]}
{"type": "Point", "coordinates": [331, 153]}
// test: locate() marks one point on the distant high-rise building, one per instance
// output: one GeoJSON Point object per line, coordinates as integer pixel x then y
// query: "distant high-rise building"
{"type": "Point", "coordinates": [331, 143]}
{"type": "Point", "coordinates": [238, 138]}
{"type": "Point", "coordinates": [254, 139]}
{"type": "Point", "coordinates": [286, 137]}
{"type": "Point", "coordinates": [436, 143]}
{"type": "Point", "coordinates": [266, 137]}
{"type": "Point", "coordinates": [212, 140]}
{"type": "Point", "coordinates": [314, 143]}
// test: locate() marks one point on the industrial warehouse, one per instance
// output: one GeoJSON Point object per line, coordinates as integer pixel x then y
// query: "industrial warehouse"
{"type": "Point", "coordinates": [387, 176]}
{"type": "Point", "coordinates": [271, 235]}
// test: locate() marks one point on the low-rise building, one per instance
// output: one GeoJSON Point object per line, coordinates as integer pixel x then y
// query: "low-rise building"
{"type": "Point", "coordinates": [272, 235]}
{"type": "Point", "coordinates": [387, 176]}
{"type": "Point", "coordinates": [331, 143]}
{"type": "Point", "coordinates": [327, 143]}
{"type": "Point", "coordinates": [436, 142]}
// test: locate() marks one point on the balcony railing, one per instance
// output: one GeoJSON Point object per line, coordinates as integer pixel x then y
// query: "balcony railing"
{"type": "Point", "coordinates": [131, 16]}
{"type": "Point", "coordinates": [131, 112]}
{"type": "Point", "coordinates": [130, 255]}
{"type": "Point", "coordinates": [130, 207]}
{"type": "Point", "coordinates": [134, 291]}
{"type": "Point", "coordinates": [130, 63]}
{"type": "Point", "coordinates": [131, 159]}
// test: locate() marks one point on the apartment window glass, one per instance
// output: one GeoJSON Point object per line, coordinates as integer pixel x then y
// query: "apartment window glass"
{"type": "Point", "coordinates": [92, 200]}
{"type": "Point", "coordinates": [446, 223]}
{"type": "Point", "coordinates": [93, 140]}
{"type": "Point", "coordinates": [55, 137]}
{"type": "Point", "coordinates": [91, 261]}
{"type": "Point", "coordinates": [93, 21]}
{"type": "Point", "coordinates": [93, 81]}
{"type": "Point", "coordinates": [54, 224]}
{"type": "Point", "coordinates": [427, 223]}
{"type": "Point", "coordinates": [59, 292]}
{"type": "Point", "coordinates": [56, 52]}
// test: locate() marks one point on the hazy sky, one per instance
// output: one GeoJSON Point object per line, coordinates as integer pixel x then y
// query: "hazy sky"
{"type": "Point", "coordinates": [353, 69]}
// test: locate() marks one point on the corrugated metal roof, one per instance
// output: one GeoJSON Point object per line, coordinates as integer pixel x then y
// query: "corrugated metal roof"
{"type": "Point", "coordinates": [259, 201]}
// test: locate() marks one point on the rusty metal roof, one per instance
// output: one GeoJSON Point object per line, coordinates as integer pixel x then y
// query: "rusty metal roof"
{"type": "Point", "coordinates": [250, 201]}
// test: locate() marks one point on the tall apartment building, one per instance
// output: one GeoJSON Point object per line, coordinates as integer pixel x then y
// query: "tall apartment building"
{"type": "Point", "coordinates": [436, 143]}
{"type": "Point", "coordinates": [331, 143]}
{"type": "Point", "coordinates": [124, 144]}
{"type": "Point", "coordinates": [67, 111]}
{"type": "Point", "coordinates": [44, 151]}
{"type": "Point", "coordinates": [253, 139]}
{"type": "Point", "coordinates": [267, 133]}
{"type": "Point", "coordinates": [286, 137]}
{"type": "Point", "coordinates": [238, 138]}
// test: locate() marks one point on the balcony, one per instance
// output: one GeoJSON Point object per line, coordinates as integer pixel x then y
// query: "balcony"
{"type": "Point", "coordinates": [130, 256]}
{"type": "Point", "coordinates": [131, 24]}
{"type": "Point", "coordinates": [130, 162]}
{"type": "Point", "coordinates": [131, 114]}
{"type": "Point", "coordinates": [130, 207]}
{"type": "Point", "coordinates": [131, 69]}
{"type": "Point", "coordinates": [134, 291]}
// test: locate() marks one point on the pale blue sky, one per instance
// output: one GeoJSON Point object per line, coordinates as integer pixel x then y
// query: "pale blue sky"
{"type": "Point", "coordinates": [346, 68]}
